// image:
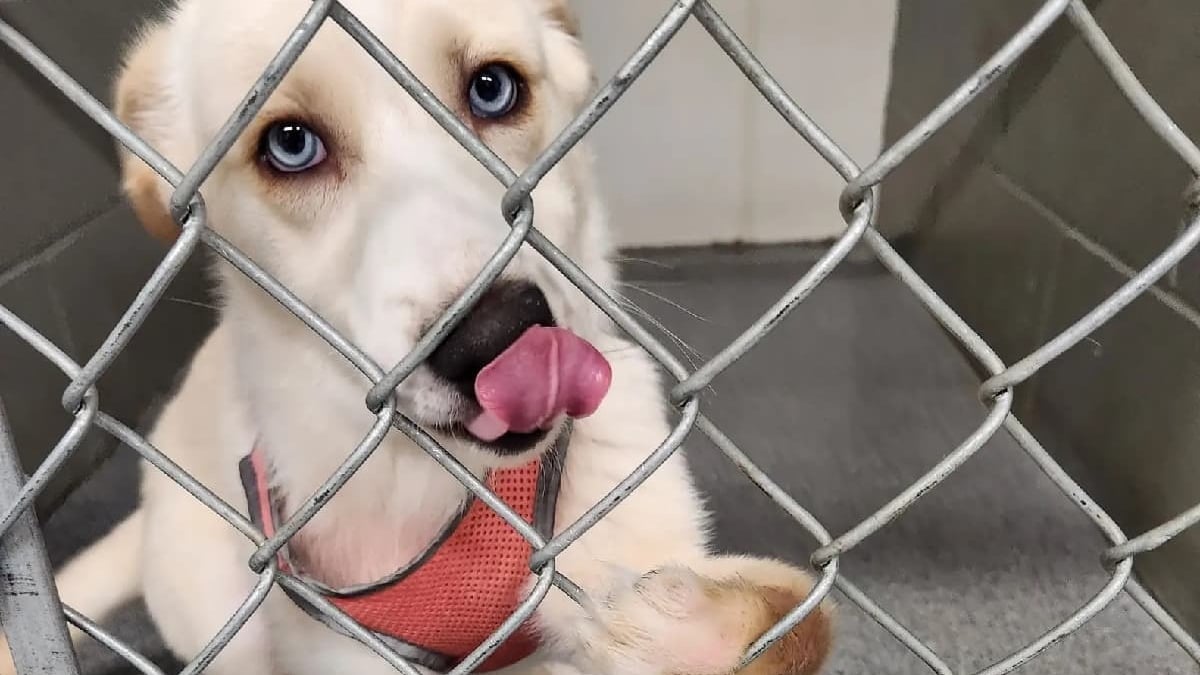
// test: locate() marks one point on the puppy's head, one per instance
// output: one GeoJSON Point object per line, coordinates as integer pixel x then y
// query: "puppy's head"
{"type": "Point", "coordinates": [350, 194]}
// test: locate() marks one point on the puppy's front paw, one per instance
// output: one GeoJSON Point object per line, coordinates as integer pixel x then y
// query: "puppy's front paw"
{"type": "Point", "coordinates": [675, 621]}
{"type": "Point", "coordinates": [668, 621]}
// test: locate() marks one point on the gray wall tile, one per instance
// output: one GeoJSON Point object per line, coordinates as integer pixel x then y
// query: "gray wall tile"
{"type": "Point", "coordinates": [1126, 400]}
{"type": "Point", "coordinates": [72, 256]}
{"type": "Point", "coordinates": [992, 256]}
{"type": "Point", "coordinates": [97, 278]}
{"type": "Point", "coordinates": [30, 385]}
{"type": "Point", "coordinates": [1081, 148]}
{"type": "Point", "coordinates": [944, 42]}
{"type": "Point", "coordinates": [62, 166]}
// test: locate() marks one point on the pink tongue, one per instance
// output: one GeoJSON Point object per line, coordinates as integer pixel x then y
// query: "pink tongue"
{"type": "Point", "coordinates": [547, 372]}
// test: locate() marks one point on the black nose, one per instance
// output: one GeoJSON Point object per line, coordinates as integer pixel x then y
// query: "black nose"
{"type": "Point", "coordinates": [503, 313]}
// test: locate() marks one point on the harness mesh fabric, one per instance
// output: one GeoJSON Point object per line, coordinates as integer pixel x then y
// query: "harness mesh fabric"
{"type": "Point", "coordinates": [459, 595]}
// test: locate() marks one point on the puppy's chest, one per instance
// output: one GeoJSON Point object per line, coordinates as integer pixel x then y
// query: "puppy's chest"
{"type": "Point", "coordinates": [354, 549]}
{"type": "Point", "coordinates": [441, 593]}
{"type": "Point", "coordinates": [367, 540]}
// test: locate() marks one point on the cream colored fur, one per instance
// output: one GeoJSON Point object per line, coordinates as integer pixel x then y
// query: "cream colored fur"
{"type": "Point", "coordinates": [378, 246]}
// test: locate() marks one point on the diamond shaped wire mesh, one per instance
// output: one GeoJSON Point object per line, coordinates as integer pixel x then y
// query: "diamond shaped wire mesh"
{"type": "Point", "coordinates": [39, 625]}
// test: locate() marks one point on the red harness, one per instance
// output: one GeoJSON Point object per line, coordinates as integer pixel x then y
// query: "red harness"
{"type": "Point", "coordinates": [438, 608]}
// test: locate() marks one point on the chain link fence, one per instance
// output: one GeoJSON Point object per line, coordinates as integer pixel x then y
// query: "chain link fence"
{"type": "Point", "coordinates": [33, 618]}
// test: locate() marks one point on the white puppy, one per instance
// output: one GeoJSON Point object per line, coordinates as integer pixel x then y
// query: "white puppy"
{"type": "Point", "coordinates": [353, 197]}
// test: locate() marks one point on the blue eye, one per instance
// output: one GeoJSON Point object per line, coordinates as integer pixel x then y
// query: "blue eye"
{"type": "Point", "coordinates": [494, 90]}
{"type": "Point", "coordinates": [291, 147]}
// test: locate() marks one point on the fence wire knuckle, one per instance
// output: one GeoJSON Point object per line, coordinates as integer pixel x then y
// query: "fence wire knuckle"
{"type": "Point", "coordinates": [309, 507]}
{"type": "Point", "coordinates": [858, 203]}
{"type": "Point", "coordinates": [266, 580]}
{"type": "Point", "coordinates": [137, 313]}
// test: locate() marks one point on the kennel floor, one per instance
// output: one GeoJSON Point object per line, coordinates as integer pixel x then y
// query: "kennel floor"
{"type": "Point", "coordinates": [854, 396]}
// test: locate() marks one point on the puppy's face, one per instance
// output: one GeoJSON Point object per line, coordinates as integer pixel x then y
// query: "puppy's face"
{"type": "Point", "coordinates": [352, 195]}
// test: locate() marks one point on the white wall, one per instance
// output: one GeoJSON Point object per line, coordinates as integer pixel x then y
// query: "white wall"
{"type": "Point", "coordinates": [693, 155]}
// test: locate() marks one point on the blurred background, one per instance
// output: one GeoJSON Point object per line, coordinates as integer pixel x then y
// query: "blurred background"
{"type": "Point", "coordinates": [1029, 208]}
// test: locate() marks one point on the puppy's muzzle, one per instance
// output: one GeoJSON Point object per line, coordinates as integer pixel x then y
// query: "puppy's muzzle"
{"type": "Point", "coordinates": [516, 373]}
{"type": "Point", "coordinates": [502, 314]}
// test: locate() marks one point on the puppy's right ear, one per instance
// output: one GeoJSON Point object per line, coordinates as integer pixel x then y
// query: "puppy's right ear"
{"type": "Point", "coordinates": [572, 70]}
{"type": "Point", "coordinates": [143, 101]}
{"type": "Point", "coordinates": [563, 16]}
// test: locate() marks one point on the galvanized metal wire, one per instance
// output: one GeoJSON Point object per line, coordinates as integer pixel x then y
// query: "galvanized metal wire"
{"type": "Point", "coordinates": [38, 634]}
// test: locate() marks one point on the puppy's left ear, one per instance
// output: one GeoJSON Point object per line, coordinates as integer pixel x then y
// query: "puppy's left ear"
{"type": "Point", "coordinates": [572, 72]}
{"type": "Point", "coordinates": [143, 100]}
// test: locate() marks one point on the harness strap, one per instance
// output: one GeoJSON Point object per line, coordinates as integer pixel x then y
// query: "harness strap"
{"type": "Point", "coordinates": [265, 509]}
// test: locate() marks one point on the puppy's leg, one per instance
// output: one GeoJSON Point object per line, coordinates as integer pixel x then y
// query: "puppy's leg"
{"type": "Point", "coordinates": [192, 585]}
{"type": "Point", "coordinates": [98, 580]}
{"type": "Point", "coordinates": [196, 577]}
{"type": "Point", "coordinates": [701, 619]}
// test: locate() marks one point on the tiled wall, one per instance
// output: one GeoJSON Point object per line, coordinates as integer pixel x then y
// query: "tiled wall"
{"type": "Point", "coordinates": [694, 155]}
{"type": "Point", "coordinates": [1041, 200]}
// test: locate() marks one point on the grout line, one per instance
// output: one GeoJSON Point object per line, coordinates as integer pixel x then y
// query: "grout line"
{"type": "Point", "coordinates": [750, 97]}
{"type": "Point", "coordinates": [49, 250]}
{"type": "Point", "coordinates": [1171, 300]}
{"type": "Point", "coordinates": [59, 311]}
{"type": "Point", "coordinates": [1172, 277]}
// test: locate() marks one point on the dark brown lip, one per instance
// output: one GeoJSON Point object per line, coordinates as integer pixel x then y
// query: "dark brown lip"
{"type": "Point", "coordinates": [512, 443]}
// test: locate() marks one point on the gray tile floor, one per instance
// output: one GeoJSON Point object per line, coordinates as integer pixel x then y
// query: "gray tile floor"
{"type": "Point", "coordinates": [852, 398]}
